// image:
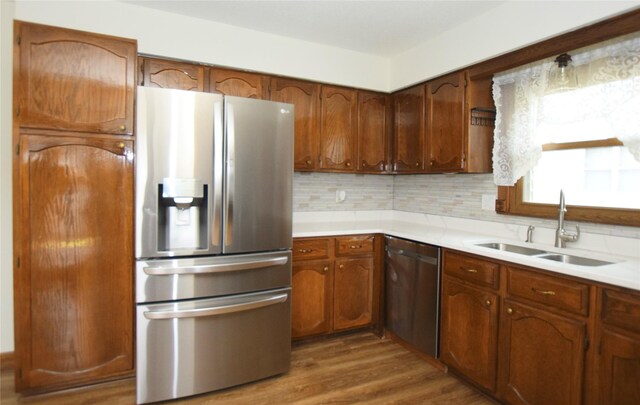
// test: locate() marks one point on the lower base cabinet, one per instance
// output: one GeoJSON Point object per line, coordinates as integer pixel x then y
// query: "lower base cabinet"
{"type": "Point", "coordinates": [335, 284]}
{"type": "Point", "coordinates": [527, 336]}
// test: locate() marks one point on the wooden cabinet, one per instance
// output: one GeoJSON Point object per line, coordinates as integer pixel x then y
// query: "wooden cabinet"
{"type": "Point", "coordinates": [469, 331]}
{"type": "Point", "coordinates": [73, 207]}
{"type": "Point", "coordinates": [339, 293]}
{"type": "Point", "coordinates": [541, 356]}
{"type": "Point", "coordinates": [73, 81]}
{"type": "Point", "coordinates": [409, 107]}
{"type": "Point", "coordinates": [374, 132]}
{"type": "Point", "coordinates": [338, 128]}
{"type": "Point", "coordinates": [305, 96]}
{"type": "Point", "coordinates": [170, 74]}
{"type": "Point", "coordinates": [74, 281]}
{"type": "Point", "coordinates": [445, 128]}
{"type": "Point", "coordinates": [237, 83]}
{"type": "Point", "coordinates": [619, 347]}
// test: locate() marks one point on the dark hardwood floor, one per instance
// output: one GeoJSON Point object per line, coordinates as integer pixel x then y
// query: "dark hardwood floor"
{"type": "Point", "coordinates": [359, 368]}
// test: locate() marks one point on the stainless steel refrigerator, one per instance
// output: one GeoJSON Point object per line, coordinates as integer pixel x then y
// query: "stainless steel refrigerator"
{"type": "Point", "coordinates": [213, 241]}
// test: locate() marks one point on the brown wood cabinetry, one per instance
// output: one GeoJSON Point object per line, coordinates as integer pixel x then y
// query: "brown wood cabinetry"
{"type": "Point", "coordinates": [469, 330]}
{"type": "Point", "coordinates": [338, 128]}
{"type": "Point", "coordinates": [237, 83]}
{"type": "Point", "coordinates": [541, 356]}
{"type": "Point", "coordinates": [408, 153]}
{"type": "Point", "coordinates": [73, 207]}
{"type": "Point", "coordinates": [170, 74]}
{"type": "Point", "coordinates": [73, 81]}
{"type": "Point", "coordinates": [445, 127]}
{"type": "Point", "coordinates": [374, 132]}
{"type": "Point", "coordinates": [305, 96]}
{"type": "Point", "coordinates": [339, 293]}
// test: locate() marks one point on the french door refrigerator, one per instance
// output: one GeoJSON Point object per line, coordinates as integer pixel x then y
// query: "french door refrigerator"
{"type": "Point", "coordinates": [213, 241]}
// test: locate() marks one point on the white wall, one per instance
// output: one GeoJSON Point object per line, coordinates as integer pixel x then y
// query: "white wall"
{"type": "Point", "coordinates": [6, 241]}
{"type": "Point", "coordinates": [510, 26]}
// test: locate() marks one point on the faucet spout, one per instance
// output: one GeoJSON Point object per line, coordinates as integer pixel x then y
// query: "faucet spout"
{"type": "Point", "coordinates": [562, 236]}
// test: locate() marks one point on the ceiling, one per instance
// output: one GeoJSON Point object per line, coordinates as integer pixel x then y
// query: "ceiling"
{"type": "Point", "coordinates": [383, 28]}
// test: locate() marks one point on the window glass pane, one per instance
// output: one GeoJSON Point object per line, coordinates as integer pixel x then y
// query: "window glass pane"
{"type": "Point", "coordinates": [598, 177]}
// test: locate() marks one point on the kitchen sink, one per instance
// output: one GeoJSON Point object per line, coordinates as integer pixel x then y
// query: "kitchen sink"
{"type": "Point", "coordinates": [580, 261]}
{"type": "Point", "coordinates": [513, 248]}
{"type": "Point", "coordinates": [543, 254]}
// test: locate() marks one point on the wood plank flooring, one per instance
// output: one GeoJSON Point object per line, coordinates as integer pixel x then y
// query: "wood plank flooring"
{"type": "Point", "coordinates": [359, 368]}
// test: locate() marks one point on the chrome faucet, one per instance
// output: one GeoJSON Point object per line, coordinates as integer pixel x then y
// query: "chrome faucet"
{"type": "Point", "coordinates": [562, 236]}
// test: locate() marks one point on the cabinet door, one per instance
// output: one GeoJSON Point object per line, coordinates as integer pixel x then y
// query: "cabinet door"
{"type": "Point", "coordinates": [73, 80]}
{"type": "Point", "coordinates": [338, 128]}
{"type": "Point", "coordinates": [541, 357]}
{"type": "Point", "coordinates": [305, 97]}
{"type": "Point", "coordinates": [74, 282]}
{"type": "Point", "coordinates": [236, 83]}
{"type": "Point", "coordinates": [311, 298]}
{"type": "Point", "coordinates": [469, 331]}
{"type": "Point", "coordinates": [445, 123]}
{"type": "Point", "coordinates": [353, 293]}
{"type": "Point", "coordinates": [620, 368]}
{"type": "Point", "coordinates": [409, 130]}
{"type": "Point", "coordinates": [374, 133]}
{"type": "Point", "coordinates": [173, 75]}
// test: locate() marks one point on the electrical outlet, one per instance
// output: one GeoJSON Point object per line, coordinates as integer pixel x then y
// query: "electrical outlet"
{"type": "Point", "coordinates": [341, 195]}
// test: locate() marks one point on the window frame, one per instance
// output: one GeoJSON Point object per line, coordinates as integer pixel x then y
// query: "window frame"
{"type": "Point", "coordinates": [510, 199]}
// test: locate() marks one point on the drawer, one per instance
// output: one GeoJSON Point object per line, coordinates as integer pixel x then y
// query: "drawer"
{"type": "Point", "coordinates": [307, 249]}
{"type": "Point", "coordinates": [621, 309]}
{"type": "Point", "coordinates": [553, 291]}
{"type": "Point", "coordinates": [472, 269]}
{"type": "Point", "coordinates": [354, 245]}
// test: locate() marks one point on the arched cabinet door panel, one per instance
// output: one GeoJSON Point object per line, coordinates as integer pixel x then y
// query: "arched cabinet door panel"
{"type": "Point", "coordinates": [236, 83]}
{"type": "Point", "coordinates": [170, 74]}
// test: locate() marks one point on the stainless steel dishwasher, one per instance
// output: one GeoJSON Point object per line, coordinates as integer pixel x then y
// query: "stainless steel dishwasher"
{"type": "Point", "coordinates": [412, 292]}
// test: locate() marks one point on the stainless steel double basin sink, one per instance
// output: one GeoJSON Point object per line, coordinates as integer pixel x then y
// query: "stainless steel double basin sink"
{"type": "Point", "coordinates": [543, 254]}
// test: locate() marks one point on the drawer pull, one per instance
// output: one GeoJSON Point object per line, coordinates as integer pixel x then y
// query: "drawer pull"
{"type": "Point", "coordinates": [342, 266]}
{"type": "Point", "coordinates": [305, 250]}
{"type": "Point", "coordinates": [488, 302]}
{"type": "Point", "coordinates": [355, 246]}
{"type": "Point", "coordinates": [325, 269]}
{"type": "Point", "coordinates": [509, 311]}
{"type": "Point", "coordinates": [543, 292]}
{"type": "Point", "coordinates": [471, 270]}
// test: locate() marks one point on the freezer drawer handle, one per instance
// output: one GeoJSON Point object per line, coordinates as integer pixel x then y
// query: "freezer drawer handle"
{"type": "Point", "coordinates": [216, 268]}
{"type": "Point", "coordinates": [212, 311]}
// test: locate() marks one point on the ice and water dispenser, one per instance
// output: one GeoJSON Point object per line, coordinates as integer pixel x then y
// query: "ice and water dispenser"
{"type": "Point", "coordinates": [182, 214]}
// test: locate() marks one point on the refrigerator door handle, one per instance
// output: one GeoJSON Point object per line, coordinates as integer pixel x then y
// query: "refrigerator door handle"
{"type": "Point", "coordinates": [230, 173]}
{"type": "Point", "coordinates": [216, 268]}
{"type": "Point", "coordinates": [219, 310]}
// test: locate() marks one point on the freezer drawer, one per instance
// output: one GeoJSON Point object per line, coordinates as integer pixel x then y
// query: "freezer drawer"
{"type": "Point", "coordinates": [192, 347]}
{"type": "Point", "coordinates": [179, 279]}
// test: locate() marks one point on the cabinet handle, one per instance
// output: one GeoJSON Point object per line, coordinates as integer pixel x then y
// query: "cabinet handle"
{"type": "Point", "coordinates": [417, 164]}
{"type": "Point", "coordinates": [325, 269]}
{"type": "Point", "coordinates": [348, 164]}
{"type": "Point", "coordinates": [488, 303]}
{"type": "Point", "coordinates": [305, 250]}
{"type": "Point", "coordinates": [471, 270]}
{"type": "Point", "coordinates": [355, 246]}
{"type": "Point", "coordinates": [121, 145]}
{"type": "Point", "coordinates": [308, 162]}
{"type": "Point", "coordinates": [341, 266]}
{"type": "Point", "coordinates": [543, 292]}
{"type": "Point", "coordinates": [509, 311]}
{"type": "Point", "coordinates": [122, 127]}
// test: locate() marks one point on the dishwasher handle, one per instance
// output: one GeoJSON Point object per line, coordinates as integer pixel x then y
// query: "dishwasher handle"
{"type": "Point", "coordinates": [216, 268]}
{"type": "Point", "coordinates": [219, 310]}
{"type": "Point", "coordinates": [422, 258]}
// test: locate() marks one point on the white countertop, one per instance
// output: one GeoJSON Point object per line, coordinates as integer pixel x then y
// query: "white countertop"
{"type": "Point", "coordinates": [463, 235]}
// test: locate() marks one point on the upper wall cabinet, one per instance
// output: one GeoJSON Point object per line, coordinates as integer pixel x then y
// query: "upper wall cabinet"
{"type": "Point", "coordinates": [338, 129]}
{"type": "Point", "coordinates": [305, 96]}
{"type": "Point", "coordinates": [409, 130]}
{"type": "Point", "coordinates": [445, 123]}
{"type": "Point", "coordinates": [75, 81]}
{"type": "Point", "coordinates": [236, 83]}
{"type": "Point", "coordinates": [374, 132]}
{"type": "Point", "coordinates": [170, 74]}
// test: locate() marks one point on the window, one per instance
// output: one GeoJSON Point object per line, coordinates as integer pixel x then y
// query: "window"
{"type": "Point", "coordinates": [575, 128]}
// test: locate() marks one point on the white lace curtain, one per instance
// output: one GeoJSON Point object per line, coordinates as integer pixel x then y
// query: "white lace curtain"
{"type": "Point", "coordinates": [533, 108]}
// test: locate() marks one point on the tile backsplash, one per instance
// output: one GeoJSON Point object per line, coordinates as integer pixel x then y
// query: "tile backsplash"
{"type": "Point", "coordinates": [455, 195]}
